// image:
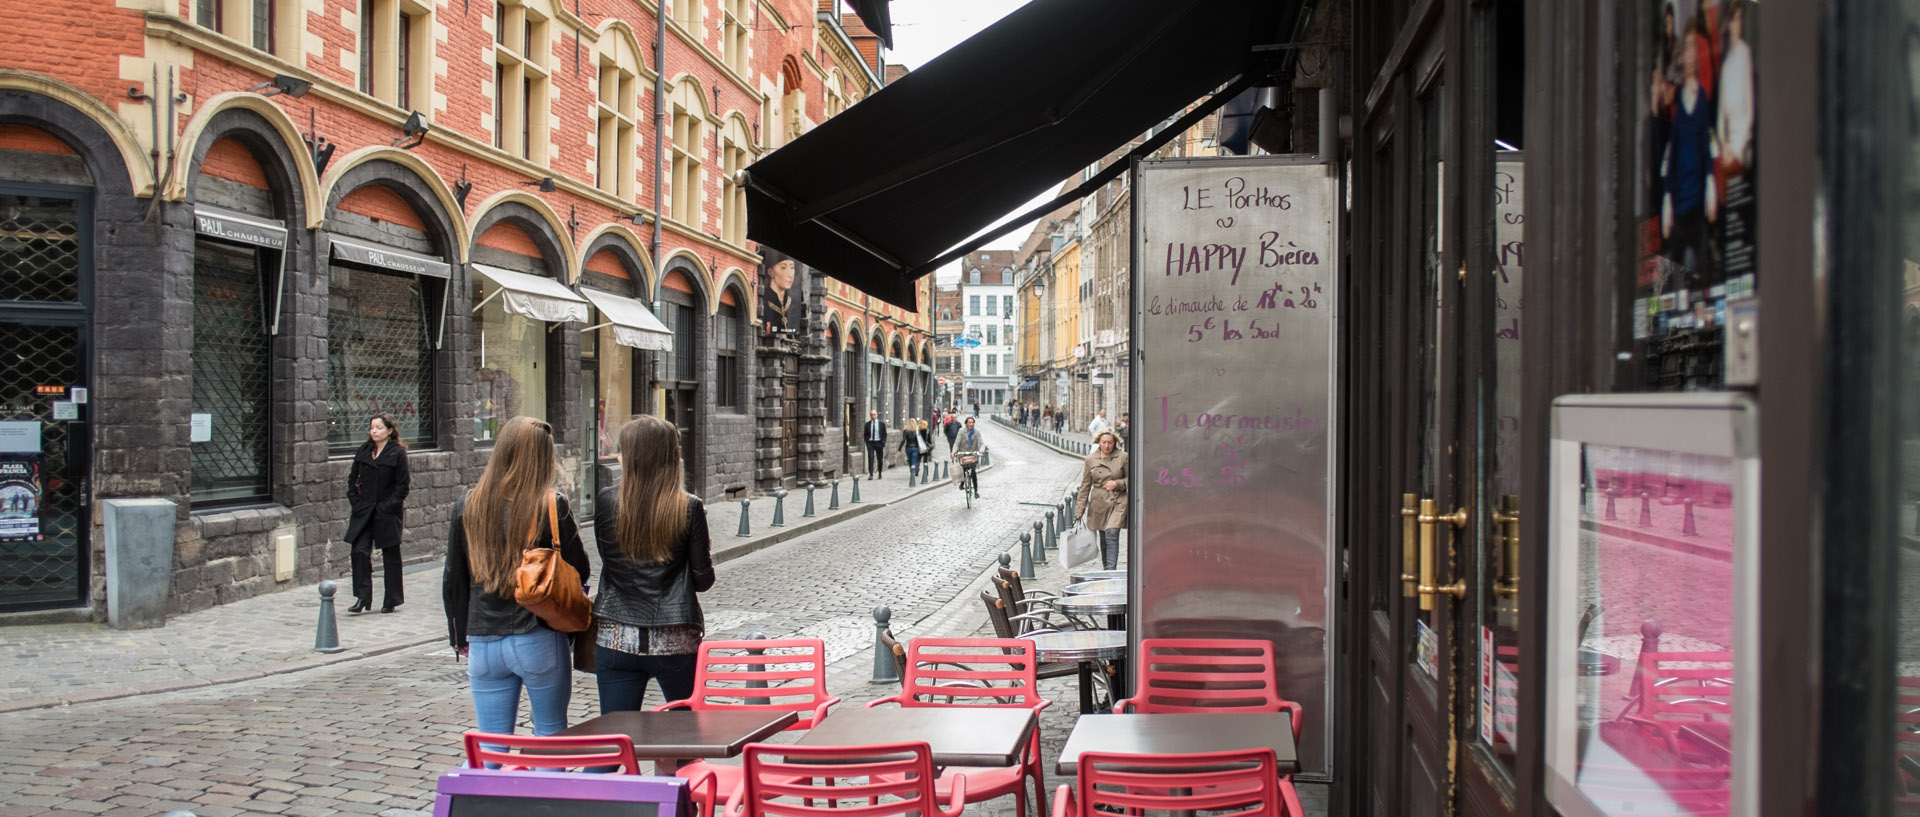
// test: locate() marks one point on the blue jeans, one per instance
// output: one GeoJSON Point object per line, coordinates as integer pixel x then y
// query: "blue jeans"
{"type": "Point", "coordinates": [913, 458]}
{"type": "Point", "coordinates": [622, 678]}
{"type": "Point", "coordinates": [498, 665]}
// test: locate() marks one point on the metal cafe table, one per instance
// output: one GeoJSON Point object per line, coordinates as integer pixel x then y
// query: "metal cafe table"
{"type": "Point", "coordinates": [956, 735]}
{"type": "Point", "coordinates": [685, 734]}
{"type": "Point", "coordinates": [1181, 734]}
{"type": "Point", "coordinates": [1084, 647]}
{"type": "Point", "coordinates": [1090, 574]}
{"type": "Point", "coordinates": [1111, 605]}
{"type": "Point", "coordinates": [1092, 586]}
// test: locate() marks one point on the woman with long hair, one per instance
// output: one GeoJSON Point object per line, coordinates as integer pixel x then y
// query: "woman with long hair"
{"type": "Point", "coordinates": [655, 555]}
{"type": "Point", "coordinates": [910, 443]}
{"type": "Point", "coordinates": [1102, 498]}
{"type": "Point", "coordinates": [498, 518]}
{"type": "Point", "coordinates": [377, 492]}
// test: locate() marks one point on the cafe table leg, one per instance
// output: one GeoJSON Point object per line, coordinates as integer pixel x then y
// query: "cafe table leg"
{"type": "Point", "coordinates": [1086, 687]}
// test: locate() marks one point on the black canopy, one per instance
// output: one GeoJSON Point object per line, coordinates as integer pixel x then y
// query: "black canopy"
{"type": "Point", "coordinates": [874, 193]}
{"type": "Point", "coordinates": [876, 15]}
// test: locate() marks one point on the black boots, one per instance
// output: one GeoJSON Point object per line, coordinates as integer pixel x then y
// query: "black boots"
{"type": "Point", "coordinates": [360, 606]}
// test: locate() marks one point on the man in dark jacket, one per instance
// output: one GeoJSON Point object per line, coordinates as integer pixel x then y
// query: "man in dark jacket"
{"type": "Point", "coordinates": [876, 436]}
{"type": "Point", "coordinates": [952, 429]}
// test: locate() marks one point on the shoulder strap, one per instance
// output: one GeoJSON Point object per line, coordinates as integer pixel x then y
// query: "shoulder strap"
{"type": "Point", "coordinates": [553, 518]}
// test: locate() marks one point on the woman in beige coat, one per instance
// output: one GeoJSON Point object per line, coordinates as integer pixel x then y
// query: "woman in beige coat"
{"type": "Point", "coordinates": [1102, 500]}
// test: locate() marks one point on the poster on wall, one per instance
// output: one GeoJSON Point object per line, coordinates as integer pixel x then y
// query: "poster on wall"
{"type": "Point", "coordinates": [1233, 404]}
{"type": "Point", "coordinates": [19, 498]}
{"type": "Point", "coordinates": [783, 293]}
{"type": "Point", "coordinates": [1696, 208]}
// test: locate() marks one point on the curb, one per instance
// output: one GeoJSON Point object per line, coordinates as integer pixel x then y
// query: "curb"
{"type": "Point", "coordinates": [1015, 428]}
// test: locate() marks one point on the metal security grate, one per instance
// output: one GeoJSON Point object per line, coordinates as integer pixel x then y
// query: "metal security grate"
{"type": "Point", "coordinates": [39, 249]}
{"type": "Point", "coordinates": [230, 374]}
{"type": "Point", "coordinates": [47, 569]}
{"type": "Point", "coordinates": [378, 356]}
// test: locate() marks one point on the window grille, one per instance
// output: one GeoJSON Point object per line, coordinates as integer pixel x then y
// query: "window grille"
{"type": "Point", "coordinates": [39, 249]}
{"type": "Point", "coordinates": [231, 375]}
{"type": "Point", "coordinates": [379, 356]}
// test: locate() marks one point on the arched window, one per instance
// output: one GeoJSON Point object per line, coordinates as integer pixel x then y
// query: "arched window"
{"type": "Point", "coordinates": [726, 346]}
{"type": "Point", "coordinates": [689, 115]}
{"type": "Point", "coordinates": [616, 112]}
{"type": "Point", "coordinates": [734, 34]}
{"type": "Point", "coordinates": [734, 158]}
{"type": "Point", "coordinates": [521, 48]}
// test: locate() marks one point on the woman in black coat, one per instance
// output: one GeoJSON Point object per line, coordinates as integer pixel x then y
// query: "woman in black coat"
{"type": "Point", "coordinates": [377, 491]}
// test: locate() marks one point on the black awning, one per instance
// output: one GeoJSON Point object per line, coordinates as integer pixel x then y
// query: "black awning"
{"type": "Point", "coordinates": [876, 15]}
{"type": "Point", "coordinates": [886, 186]}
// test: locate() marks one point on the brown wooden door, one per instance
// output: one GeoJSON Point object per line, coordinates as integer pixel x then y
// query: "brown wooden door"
{"type": "Point", "coordinates": [790, 421]}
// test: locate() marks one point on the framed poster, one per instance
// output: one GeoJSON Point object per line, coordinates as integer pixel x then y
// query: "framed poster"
{"type": "Point", "coordinates": [783, 293]}
{"type": "Point", "coordinates": [19, 498]}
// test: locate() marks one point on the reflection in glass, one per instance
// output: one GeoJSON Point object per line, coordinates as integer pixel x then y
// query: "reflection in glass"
{"type": "Point", "coordinates": [1655, 689]}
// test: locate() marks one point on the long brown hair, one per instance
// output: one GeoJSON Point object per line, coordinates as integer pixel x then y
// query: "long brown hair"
{"type": "Point", "coordinates": [520, 471]}
{"type": "Point", "coordinates": [653, 496]}
{"type": "Point", "coordinates": [393, 429]}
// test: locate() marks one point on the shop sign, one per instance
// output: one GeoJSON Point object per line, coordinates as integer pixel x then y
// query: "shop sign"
{"type": "Point", "coordinates": [19, 498]}
{"type": "Point", "coordinates": [389, 259]}
{"type": "Point", "coordinates": [239, 228]}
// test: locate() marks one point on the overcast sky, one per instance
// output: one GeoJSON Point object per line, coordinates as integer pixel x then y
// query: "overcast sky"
{"type": "Point", "coordinates": [922, 30]}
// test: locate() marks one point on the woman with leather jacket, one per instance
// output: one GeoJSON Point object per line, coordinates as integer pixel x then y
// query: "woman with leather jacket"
{"type": "Point", "coordinates": [655, 555]}
{"type": "Point", "coordinates": [377, 492]}
{"type": "Point", "coordinates": [509, 646]}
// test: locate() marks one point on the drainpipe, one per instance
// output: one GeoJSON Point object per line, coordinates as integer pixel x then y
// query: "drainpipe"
{"type": "Point", "coordinates": [659, 156]}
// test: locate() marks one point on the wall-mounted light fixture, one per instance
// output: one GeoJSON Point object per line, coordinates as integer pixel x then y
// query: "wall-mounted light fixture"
{"type": "Point", "coordinates": [462, 188]}
{"type": "Point", "coordinates": [282, 84]}
{"type": "Point", "coordinates": [545, 184]}
{"type": "Point", "coordinates": [413, 132]}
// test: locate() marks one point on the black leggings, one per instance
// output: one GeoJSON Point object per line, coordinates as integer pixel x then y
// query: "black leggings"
{"type": "Point", "coordinates": [389, 568]}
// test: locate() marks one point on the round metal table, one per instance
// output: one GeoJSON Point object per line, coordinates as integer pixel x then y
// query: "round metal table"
{"type": "Point", "coordinates": [1084, 647]}
{"type": "Point", "coordinates": [1090, 574]}
{"type": "Point", "coordinates": [1097, 586]}
{"type": "Point", "coordinates": [1108, 604]}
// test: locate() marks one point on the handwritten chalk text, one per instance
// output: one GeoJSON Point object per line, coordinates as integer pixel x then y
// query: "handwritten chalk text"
{"type": "Point", "coordinates": [1210, 421]}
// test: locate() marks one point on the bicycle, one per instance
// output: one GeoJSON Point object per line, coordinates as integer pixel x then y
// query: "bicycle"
{"type": "Point", "coordinates": [969, 477]}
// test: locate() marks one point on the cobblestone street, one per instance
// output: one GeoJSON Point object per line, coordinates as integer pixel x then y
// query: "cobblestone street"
{"type": "Point", "coordinates": [370, 735]}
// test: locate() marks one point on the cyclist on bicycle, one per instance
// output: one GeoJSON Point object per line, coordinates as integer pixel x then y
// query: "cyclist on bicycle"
{"type": "Point", "coordinates": [966, 449]}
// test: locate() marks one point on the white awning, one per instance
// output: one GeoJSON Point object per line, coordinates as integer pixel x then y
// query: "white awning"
{"type": "Point", "coordinates": [531, 296]}
{"type": "Point", "coordinates": [633, 323]}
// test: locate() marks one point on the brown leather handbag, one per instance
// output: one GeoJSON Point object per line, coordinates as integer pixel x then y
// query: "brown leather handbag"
{"type": "Point", "coordinates": [548, 586]}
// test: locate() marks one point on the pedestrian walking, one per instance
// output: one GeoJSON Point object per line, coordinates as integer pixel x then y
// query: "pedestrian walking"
{"type": "Point", "coordinates": [655, 556]}
{"type": "Point", "coordinates": [1124, 428]}
{"type": "Point", "coordinates": [952, 429]}
{"type": "Point", "coordinates": [377, 486]}
{"type": "Point", "coordinates": [910, 443]}
{"type": "Point", "coordinates": [1098, 424]}
{"type": "Point", "coordinates": [926, 442]}
{"type": "Point", "coordinates": [1102, 498]}
{"type": "Point", "coordinates": [876, 437]}
{"type": "Point", "coordinates": [513, 508]}
{"type": "Point", "coordinates": [976, 408]}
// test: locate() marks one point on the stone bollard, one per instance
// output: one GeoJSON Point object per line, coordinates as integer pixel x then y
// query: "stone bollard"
{"type": "Point", "coordinates": [1646, 510]}
{"type": "Point", "coordinates": [856, 491]}
{"type": "Point", "coordinates": [1071, 497]}
{"type": "Point", "coordinates": [1039, 543]}
{"type": "Point", "coordinates": [1686, 520]}
{"type": "Point", "coordinates": [780, 508]}
{"type": "Point", "coordinates": [1611, 515]}
{"type": "Point", "coordinates": [1026, 556]}
{"type": "Point", "coordinates": [1053, 533]}
{"type": "Point", "coordinates": [809, 511]}
{"type": "Point", "coordinates": [1649, 642]}
{"type": "Point", "coordinates": [885, 670]}
{"type": "Point", "coordinates": [1006, 560]}
{"type": "Point", "coordinates": [746, 528]}
{"type": "Point", "coordinates": [756, 635]}
{"type": "Point", "coordinates": [833, 502]}
{"type": "Point", "coordinates": [326, 634]}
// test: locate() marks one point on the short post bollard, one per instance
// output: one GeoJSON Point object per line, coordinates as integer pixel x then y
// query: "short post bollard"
{"type": "Point", "coordinates": [1687, 527]}
{"type": "Point", "coordinates": [1026, 556]}
{"type": "Point", "coordinates": [746, 528]}
{"type": "Point", "coordinates": [833, 502]}
{"type": "Point", "coordinates": [856, 492]}
{"type": "Point", "coordinates": [1071, 497]}
{"type": "Point", "coordinates": [1611, 516]}
{"type": "Point", "coordinates": [780, 508]}
{"type": "Point", "coordinates": [926, 471]}
{"type": "Point", "coordinates": [1646, 509]}
{"type": "Point", "coordinates": [986, 457]}
{"type": "Point", "coordinates": [809, 511]}
{"type": "Point", "coordinates": [1006, 560]}
{"type": "Point", "coordinates": [913, 477]}
{"type": "Point", "coordinates": [885, 671]}
{"type": "Point", "coordinates": [756, 635]}
{"type": "Point", "coordinates": [1039, 544]}
{"type": "Point", "coordinates": [326, 635]}
{"type": "Point", "coordinates": [1053, 533]}
{"type": "Point", "coordinates": [946, 470]}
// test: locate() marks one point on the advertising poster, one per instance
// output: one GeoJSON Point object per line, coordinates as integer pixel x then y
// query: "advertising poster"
{"type": "Point", "coordinates": [1696, 209]}
{"type": "Point", "coordinates": [19, 498]}
{"type": "Point", "coordinates": [783, 293]}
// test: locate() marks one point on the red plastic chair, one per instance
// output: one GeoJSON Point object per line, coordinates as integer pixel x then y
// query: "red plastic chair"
{"type": "Point", "coordinates": [1207, 675]}
{"type": "Point", "coordinates": [793, 672]}
{"type": "Point", "coordinates": [1243, 783]}
{"type": "Point", "coordinates": [553, 751]}
{"type": "Point", "coordinates": [996, 672]}
{"type": "Point", "coordinates": [841, 781]}
{"type": "Point", "coordinates": [1672, 697]}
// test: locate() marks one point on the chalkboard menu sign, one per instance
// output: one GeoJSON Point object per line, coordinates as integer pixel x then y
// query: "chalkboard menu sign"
{"type": "Point", "coordinates": [1235, 264]}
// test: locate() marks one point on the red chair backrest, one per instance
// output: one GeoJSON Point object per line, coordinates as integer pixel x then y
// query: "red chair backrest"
{"type": "Point", "coordinates": [971, 672]}
{"type": "Point", "coordinates": [552, 752]}
{"type": "Point", "coordinates": [1207, 675]}
{"type": "Point", "coordinates": [841, 781]}
{"type": "Point", "coordinates": [1242, 783]}
{"type": "Point", "coordinates": [1700, 690]}
{"type": "Point", "coordinates": [791, 674]}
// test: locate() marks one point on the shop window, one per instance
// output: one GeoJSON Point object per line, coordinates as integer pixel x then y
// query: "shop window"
{"type": "Point", "coordinates": [616, 113]}
{"type": "Point", "coordinates": [39, 248]}
{"type": "Point", "coordinates": [521, 87]}
{"type": "Point", "coordinates": [380, 349]}
{"type": "Point", "coordinates": [689, 135]}
{"type": "Point", "coordinates": [511, 350]}
{"type": "Point", "coordinates": [733, 34]}
{"type": "Point", "coordinates": [231, 374]}
{"type": "Point", "coordinates": [726, 376]}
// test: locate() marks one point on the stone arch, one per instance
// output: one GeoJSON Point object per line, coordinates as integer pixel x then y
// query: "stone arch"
{"type": "Point", "coordinates": [261, 125]}
{"type": "Point", "coordinates": [791, 73]}
{"type": "Point", "coordinates": [541, 224]}
{"type": "Point", "coordinates": [616, 35]}
{"type": "Point", "coordinates": [735, 277]}
{"type": "Point", "coordinates": [83, 122]}
{"type": "Point", "coordinates": [691, 266]}
{"type": "Point", "coordinates": [621, 240]}
{"type": "Point", "coordinates": [420, 185]}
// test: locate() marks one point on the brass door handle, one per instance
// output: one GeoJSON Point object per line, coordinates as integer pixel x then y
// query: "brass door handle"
{"type": "Point", "coordinates": [1508, 517]}
{"type": "Point", "coordinates": [1409, 545]}
{"type": "Point", "coordinates": [1429, 518]}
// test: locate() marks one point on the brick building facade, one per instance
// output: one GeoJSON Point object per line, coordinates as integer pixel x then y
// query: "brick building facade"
{"type": "Point", "coordinates": [225, 223]}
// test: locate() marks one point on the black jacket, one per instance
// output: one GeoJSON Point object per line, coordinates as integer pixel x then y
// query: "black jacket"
{"type": "Point", "coordinates": [377, 492]}
{"type": "Point", "coordinates": [473, 610]}
{"type": "Point", "coordinates": [866, 432]}
{"type": "Point", "coordinates": [910, 439]}
{"type": "Point", "coordinates": [652, 595]}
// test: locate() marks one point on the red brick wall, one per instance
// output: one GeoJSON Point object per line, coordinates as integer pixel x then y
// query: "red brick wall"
{"type": "Point", "coordinates": [606, 263]}
{"type": "Point", "coordinates": [380, 204]}
{"type": "Point", "coordinates": [510, 238]}
{"type": "Point", "coordinates": [31, 140]}
{"type": "Point", "coordinates": [230, 160]}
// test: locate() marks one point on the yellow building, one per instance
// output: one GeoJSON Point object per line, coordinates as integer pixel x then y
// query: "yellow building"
{"type": "Point", "coordinates": [1065, 294]}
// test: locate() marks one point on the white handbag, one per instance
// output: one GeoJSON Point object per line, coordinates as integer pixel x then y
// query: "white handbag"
{"type": "Point", "coordinates": [1082, 545]}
